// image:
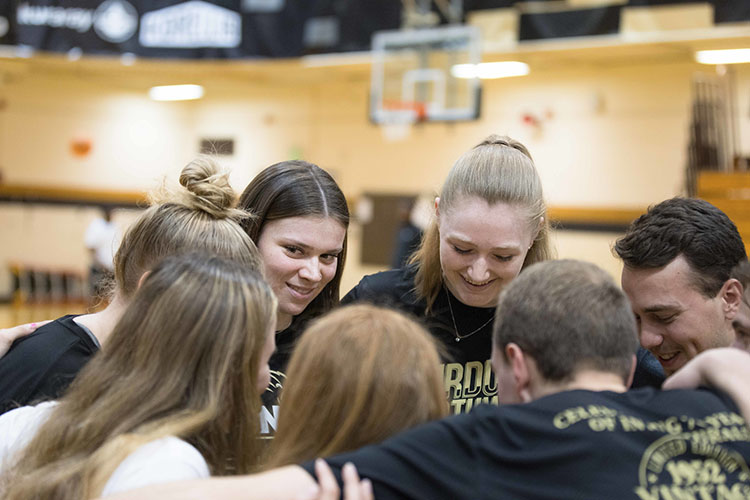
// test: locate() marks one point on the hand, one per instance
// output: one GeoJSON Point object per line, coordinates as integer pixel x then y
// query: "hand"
{"type": "Point", "coordinates": [726, 369]}
{"type": "Point", "coordinates": [328, 488]}
{"type": "Point", "coordinates": [10, 335]}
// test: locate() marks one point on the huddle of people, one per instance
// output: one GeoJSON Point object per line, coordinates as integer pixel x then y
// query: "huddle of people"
{"type": "Point", "coordinates": [224, 352]}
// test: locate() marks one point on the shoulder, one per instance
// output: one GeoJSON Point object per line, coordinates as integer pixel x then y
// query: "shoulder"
{"type": "Point", "coordinates": [58, 334]}
{"type": "Point", "coordinates": [164, 460]}
{"type": "Point", "coordinates": [387, 287]}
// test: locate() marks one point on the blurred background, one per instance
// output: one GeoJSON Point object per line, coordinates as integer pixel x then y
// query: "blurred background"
{"type": "Point", "coordinates": [622, 103]}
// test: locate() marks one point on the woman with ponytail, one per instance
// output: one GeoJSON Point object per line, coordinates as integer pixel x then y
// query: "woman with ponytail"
{"type": "Point", "coordinates": [490, 222]}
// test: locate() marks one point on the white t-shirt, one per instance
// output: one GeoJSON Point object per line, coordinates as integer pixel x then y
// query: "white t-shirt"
{"type": "Point", "coordinates": [103, 238]}
{"type": "Point", "coordinates": [161, 461]}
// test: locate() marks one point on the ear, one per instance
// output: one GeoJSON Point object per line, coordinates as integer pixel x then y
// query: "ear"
{"type": "Point", "coordinates": [519, 365]}
{"type": "Point", "coordinates": [633, 363]}
{"type": "Point", "coordinates": [437, 206]}
{"type": "Point", "coordinates": [731, 296]}
{"type": "Point", "coordinates": [142, 279]}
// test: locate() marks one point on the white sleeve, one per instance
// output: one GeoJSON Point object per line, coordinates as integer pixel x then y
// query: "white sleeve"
{"type": "Point", "coordinates": [162, 461]}
{"type": "Point", "coordinates": [18, 426]}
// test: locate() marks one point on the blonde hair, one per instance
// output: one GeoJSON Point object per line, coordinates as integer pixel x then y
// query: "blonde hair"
{"type": "Point", "coordinates": [497, 170]}
{"type": "Point", "coordinates": [358, 375]}
{"type": "Point", "coordinates": [182, 361]}
{"type": "Point", "coordinates": [200, 216]}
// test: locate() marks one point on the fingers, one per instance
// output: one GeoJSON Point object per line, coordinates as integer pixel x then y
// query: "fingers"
{"type": "Point", "coordinates": [329, 487]}
{"type": "Point", "coordinates": [354, 489]}
{"type": "Point", "coordinates": [10, 335]}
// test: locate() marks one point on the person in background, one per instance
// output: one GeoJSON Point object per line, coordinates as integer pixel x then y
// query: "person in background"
{"type": "Point", "coordinates": [490, 223]}
{"type": "Point", "coordinates": [200, 216]}
{"type": "Point", "coordinates": [677, 263]}
{"type": "Point", "coordinates": [102, 239]}
{"type": "Point", "coordinates": [408, 235]}
{"type": "Point", "coordinates": [358, 375]}
{"type": "Point", "coordinates": [175, 395]}
{"type": "Point", "coordinates": [300, 222]}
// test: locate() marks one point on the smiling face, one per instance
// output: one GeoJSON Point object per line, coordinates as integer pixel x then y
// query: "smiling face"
{"type": "Point", "coordinates": [300, 257]}
{"type": "Point", "coordinates": [675, 320]}
{"type": "Point", "coordinates": [482, 248]}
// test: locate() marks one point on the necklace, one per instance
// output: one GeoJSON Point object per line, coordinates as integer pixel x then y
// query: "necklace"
{"type": "Point", "coordinates": [460, 337]}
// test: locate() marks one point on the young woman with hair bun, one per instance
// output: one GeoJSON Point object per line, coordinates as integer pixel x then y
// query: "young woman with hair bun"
{"type": "Point", "coordinates": [174, 395]}
{"type": "Point", "coordinates": [490, 222]}
{"type": "Point", "coordinates": [200, 216]}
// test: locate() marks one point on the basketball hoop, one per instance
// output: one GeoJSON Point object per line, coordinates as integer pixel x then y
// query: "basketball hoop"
{"type": "Point", "coordinates": [405, 111]}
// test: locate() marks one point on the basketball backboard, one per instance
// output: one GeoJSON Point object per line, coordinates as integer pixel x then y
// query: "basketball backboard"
{"type": "Point", "coordinates": [414, 75]}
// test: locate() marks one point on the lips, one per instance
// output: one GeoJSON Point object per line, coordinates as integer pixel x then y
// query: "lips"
{"type": "Point", "coordinates": [669, 361]}
{"type": "Point", "coordinates": [475, 284]}
{"type": "Point", "coordinates": [301, 292]}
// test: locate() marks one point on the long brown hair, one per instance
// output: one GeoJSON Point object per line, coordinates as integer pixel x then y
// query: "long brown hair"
{"type": "Point", "coordinates": [358, 375]}
{"type": "Point", "coordinates": [298, 189]}
{"type": "Point", "coordinates": [182, 361]}
{"type": "Point", "coordinates": [201, 216]}
{"type": "Point", "coordinates": [497, 170]}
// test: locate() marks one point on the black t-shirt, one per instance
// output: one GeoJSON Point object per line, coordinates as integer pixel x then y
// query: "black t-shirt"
{"type": "Point", "coordinates": [643, 444]}
{"type": "Point", "coordinates": [468, 375]}
{"type": "Point", "coordinates": [285, 341]}
{"type": "Point", "coordinates": [42, 365]}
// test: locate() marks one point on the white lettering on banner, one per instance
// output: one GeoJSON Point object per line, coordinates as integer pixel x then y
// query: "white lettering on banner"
{"type": "Point", "coordinates": [76, 19]}
{"type": "Point", "coordinates": [191, 25]}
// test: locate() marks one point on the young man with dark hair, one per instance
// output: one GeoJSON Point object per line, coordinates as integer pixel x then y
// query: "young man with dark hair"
{"type": "Point", "coordinates": [563, 345]}
{"type": "Point", "coordinates": [677, 263]}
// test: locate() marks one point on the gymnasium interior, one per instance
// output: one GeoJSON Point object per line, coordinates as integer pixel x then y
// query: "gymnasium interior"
{"type": "Point", "coordinates": [622, 104]}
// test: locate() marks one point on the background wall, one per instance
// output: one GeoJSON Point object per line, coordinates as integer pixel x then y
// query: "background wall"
{"type": "Point", "coordinates": [611, 135]}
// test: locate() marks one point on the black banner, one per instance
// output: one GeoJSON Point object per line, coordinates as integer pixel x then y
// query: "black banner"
{"type": "Point", "coordinates": [272, 28]}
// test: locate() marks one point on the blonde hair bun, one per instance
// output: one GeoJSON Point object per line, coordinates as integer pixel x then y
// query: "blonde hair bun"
{"type": "Point", "coordinates": [208, 189]}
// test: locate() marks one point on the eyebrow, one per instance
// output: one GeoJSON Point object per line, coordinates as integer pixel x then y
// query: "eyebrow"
{"type": "Point", "coordinates": [305, 246]}
{"type": "Point", "coordinates": [659, 308]}
{"type": "Point", "coordinates": [467, 242]}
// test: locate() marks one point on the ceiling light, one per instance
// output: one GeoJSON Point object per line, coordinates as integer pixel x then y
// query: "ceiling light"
{"type": "Point", "coordinates": [730, 56]}
{"type": "Point", "coordinates": [175, 92]}
{"type": "Point", "coordinates": [490, 70]}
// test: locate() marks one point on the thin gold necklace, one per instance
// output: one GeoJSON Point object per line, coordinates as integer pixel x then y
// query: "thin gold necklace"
{"type": "Point", "coordinates": [460, 337]}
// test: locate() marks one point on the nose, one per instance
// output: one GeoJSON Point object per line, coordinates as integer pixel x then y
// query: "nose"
{"type": "Point", "coordinates": [650, 337]}
{"type": "Point", "coordinates": [310, 271]}
{"type": "Point", "coordinates": [478, 270]}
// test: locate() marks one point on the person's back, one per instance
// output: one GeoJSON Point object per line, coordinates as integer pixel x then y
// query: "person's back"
{"type": "Point", "coordinates": [578, 444]}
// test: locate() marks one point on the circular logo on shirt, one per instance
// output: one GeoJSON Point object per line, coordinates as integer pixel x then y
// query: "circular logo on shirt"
{"type": "Point", "coordinates": [115, 21]}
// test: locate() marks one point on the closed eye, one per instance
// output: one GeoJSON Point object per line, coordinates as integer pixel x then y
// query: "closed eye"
{"type": "Point", "coordinates": [460, 250]}
{"type": "Point", "coordinates": [294, 250]}
{"type": "Point", "coordinates": [504, 258]}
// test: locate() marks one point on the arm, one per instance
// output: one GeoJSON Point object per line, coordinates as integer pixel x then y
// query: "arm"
{"type": "Point", "coordinates": [726, 369]}
{"type": "Point", "coordinates": [287, 483]}
{"type": "Point", "coordinates": [10, 335]}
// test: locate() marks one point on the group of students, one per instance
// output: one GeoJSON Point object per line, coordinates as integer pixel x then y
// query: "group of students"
{"type": "Point", "coordinates": [210, 304]}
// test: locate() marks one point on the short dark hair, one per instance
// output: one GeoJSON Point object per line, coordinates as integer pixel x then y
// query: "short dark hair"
{"type": "Point", "coordinates": [296, 188]}
{"type": "Point", "coordinates": [568, 316]}
{"type": "Point", "coordinates": [694, 228]}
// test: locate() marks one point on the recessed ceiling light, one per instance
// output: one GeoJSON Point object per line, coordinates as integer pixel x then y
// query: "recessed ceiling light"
{"type": "Point", "coordinates": [175, 92]}
{"type": "Point", "coordinates": [729, 56]}
{"type": "Point", "coordinates": [490, 70]}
